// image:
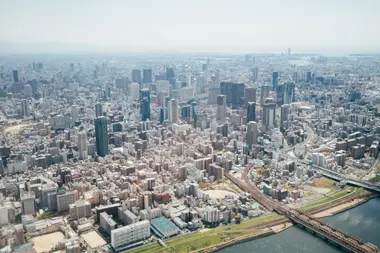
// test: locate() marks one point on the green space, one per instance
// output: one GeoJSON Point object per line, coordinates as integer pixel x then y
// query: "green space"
{"type": "Point", "coordinates": [330, 198]}
{"type": "Point", "coordinates": [208, 237]}
{"type": "Point", "coordinates": [375, 179]}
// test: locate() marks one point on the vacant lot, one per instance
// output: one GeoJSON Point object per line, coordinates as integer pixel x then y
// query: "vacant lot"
{"type": "Point", "coordinates": [45, 243]}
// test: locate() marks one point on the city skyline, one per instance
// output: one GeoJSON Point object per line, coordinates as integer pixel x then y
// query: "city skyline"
{"type": "Point", "coordinates": [200, 26]}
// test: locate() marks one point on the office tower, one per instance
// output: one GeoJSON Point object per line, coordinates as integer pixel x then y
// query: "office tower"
{"type": "Point", "coordinates": [264, 93]}
{"type": "Point", "coordinates": [186, 112]}
{"type": "Point", "coordinates": [289, 96]}
{"type": "Point", "coordinates": [28, 203]}
{"type": "Point", "coordinates": [308, 77]}
{"type": "Point", "coordinates": [280, 94]}
{"type": "Point", "coordinates": [255, 74]}
{"type": "Point", "coordinates": [201, 82]}
{"type": "Point", "coordinates": [269, 113]}
{"type": "Point", "coordinates": [251, 111]}
{"type": "Point", "coordinates": [274, 80]}
{"type": "Point", "coordinates": [101, 133]}
{"type": "Point", "coordinates": [194, 112]}
{"type": "Point", "coordinates": [285, 110]}
{"type": "Point", "coordinates": [221, 109]}
{"type": "Point", "coordinates": [145, 104]}
{"type": "Point", "coordinates": [163, 87]}
{"type": "Point", "coordinates": [234, 93]}
{"type": "Point", "coordinates": [249, 95]}
{"type": "Point", "coordinates": [82, 145]}
{"type": "Point", "coordinates": [289, 51]}
{"type": "Point", "coordinates": [15, 76]}
{"type": "Point", "coordinates": [24, 108]}
{"type": "Point", "coordinates": [252, 133]}
{"type": "Point", "coordinates": [28, 91]}
{"type": "Point", "coordinates": [147, 76]}
{"type": "Point", "coordinates": [295, 77]}
{"type": "Point", "coordinates": [163, 114]}
{"type": "Point", "coordinates": [145, 109]}
{"type": "Point", "coordinates": [170, 76]}
{"type": "Point", "coordinates": [134, 90]}
{"type": "Point", "coordinates": [128, 234]}
{"type": "Point", "coordinates": [136, 75]}
{"type": "Point", "coordinates": [173, 111]}
{"type": "Point", "coordinates": [98, 110]}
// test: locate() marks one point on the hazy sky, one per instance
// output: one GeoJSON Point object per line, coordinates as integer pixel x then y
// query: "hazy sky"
{"type": "Point", "coordinates": [195, 25]}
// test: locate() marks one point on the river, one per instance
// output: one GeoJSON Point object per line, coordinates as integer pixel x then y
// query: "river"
{"type": "Point", "coordinates": [362, 221]}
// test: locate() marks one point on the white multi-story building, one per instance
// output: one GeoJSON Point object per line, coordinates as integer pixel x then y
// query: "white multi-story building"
{"type": "Point", "coordinates": [80, 209]}
{"type": "Point", "coordinates": [173, 111]}
{"type": "Point", "coordinates": [28, 203]}
{"type": "Point", "coordinates": [82, 145]}
{"type": "Point", "coordinates": [132, 233]}
{"type": "Point", "coordinates": [65, 199]}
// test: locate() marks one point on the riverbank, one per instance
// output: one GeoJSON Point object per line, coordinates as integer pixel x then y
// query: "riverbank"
{"type": "Point", "coordinates": [215, 239]}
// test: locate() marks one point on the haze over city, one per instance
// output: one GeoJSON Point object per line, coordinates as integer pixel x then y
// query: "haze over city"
{"type": "Point", "coordinates": [318, 26]}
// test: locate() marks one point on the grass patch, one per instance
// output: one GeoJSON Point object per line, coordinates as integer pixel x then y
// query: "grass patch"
{"type": "Point", "coordinates": [375, 179]}
{"type": "Point", "coordinates": [330, 198]}
{"type": "Point", "coordinates": [200, 240]}
{"type": "Point", "coordinates": [324, 183]}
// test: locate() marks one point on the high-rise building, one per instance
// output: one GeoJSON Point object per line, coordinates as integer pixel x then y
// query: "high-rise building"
{"type": "Point", "coordinates": [285, 109]}
{"type": "Point", "coordinates": [252, 133]}
{"type": "Point", "coordinates": [308, 77]}
{"type": "Point", "coordinates": [64, 199]}
{"type": "Point", "coordinates": [98, 110]}
{"type": "Point", "coordinates": [28, 202]}
{"type": "Point", "coordinates": [280, 94]}
{"type": "Point", "coordinates": [249, 95]}
{"type": "Point", "coordinates": [255, 74]}
{"type": "Point", "coordinates": [289, 94]}
{"type": "Point", "coordinates": [264, 93]}
{"type": "Point", "coordinates": [24, 108]}
{"type": "Point", "coordinates": [15, 76]}
{"type": "Point", "coordinates": [101, 132]}
{"type": "Point", "coordinates": [82, 145]}
{"type": "Point", "coordinates": [274, 80]}
{"type": "Point", "coordinates": [173, 111]}
{"type": "Point", "coordinates": [145, 104]}
{"type": "Point", "coordinates": [289, 51]}
{"type": "Point", "coordinates": [234, 93]}
{"type": "Point", "coordinates": [147, 76]}
{"type": "Point", "coordinates": [269, 114]}
{"type": "Point", "coordinates": [170, 76]}
{"type": "Point", "coordinates": [221, 109]}
{"type": "Point", "coordinates": [28, 91]}
{"type": "Point", "coordinates": [295, 77]}
{"type": "Point", "coordinates": [136, 75]}
{"type": "Point", "coordinates": [251, 111]}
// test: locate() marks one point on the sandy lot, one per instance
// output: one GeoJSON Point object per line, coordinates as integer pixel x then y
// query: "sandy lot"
{"type": "Point", "coordinates": [219, 194]}
{"type": "Point", "coordinates": [45, 243]}
{"type": "Point", "coordinates": [93, 239]}
{"type": "Point", "coordinates": [338, 208]}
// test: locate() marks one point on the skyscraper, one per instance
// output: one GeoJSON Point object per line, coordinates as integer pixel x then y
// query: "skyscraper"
{"type": "Point", "coordinates": [264, 93]}
{"type": "Point", "coordinates": [295, 77]}
{"type": "Point", "coordinates": [249, 95]}
{"type": "Point", "coordinates": [221, 109]}
{"type": "Point", "coordinates": [251, 135]}
{"type": "Point", "coordinates": [145, 108]}
{"type": "Point", "coordinates": [24, 108]}
{"type": "Point", "coordinates": [274, 80]}
{"type": "Point", "coordinates": [98, 109]}
{"type": "Point", "coordinates": [251, 111]}
{"type": "Point", "coordinates": [170, 76]}
{"type": "Point", "coordinates": [147, 76]}
{"type": "Point", "coordinates": [289, 51]}
{"type": "Point", "coordinates": [82, 145]}
{"type": "Point", "coordinates": [15, 76]}
{"type": "Point", "coordinates": [255, 74]}
{"type": "Point", "coordinates": [101, 132]}
{"type": "Point", "coordinates": [280, 94]}
{"type": "Point", "coordinates": [234, 93]}
{"type": "Point", "coordinates": [289, 96]}
{"type": "Point", "coordinates": [284, 116]}
{"type": "Point", "coordinates": [145, 104]}
{"type": "Point", "coordinates": [173, 111]}
{"type": "Point", "coordinates": [308, 77]}
{"type": "Point", "coordinates": [136, 75]}
{"type": "Point", "coordinates": [269, 113]}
